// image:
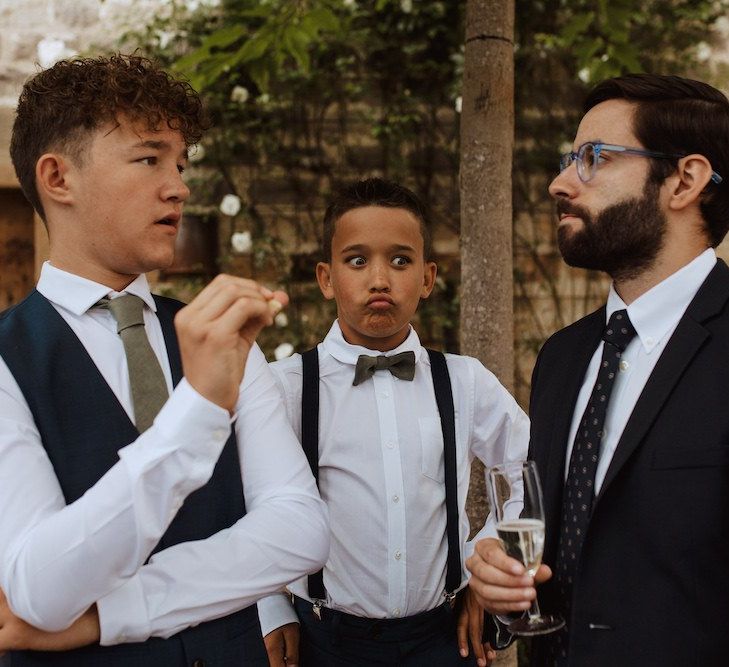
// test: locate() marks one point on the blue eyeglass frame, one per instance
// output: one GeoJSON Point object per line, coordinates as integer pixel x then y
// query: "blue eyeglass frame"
{"type": "Point", "coordinates": [567, 159]}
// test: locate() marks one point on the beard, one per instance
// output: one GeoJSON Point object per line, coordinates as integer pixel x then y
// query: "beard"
{"type": "Point", "coordinates": [623, 240]}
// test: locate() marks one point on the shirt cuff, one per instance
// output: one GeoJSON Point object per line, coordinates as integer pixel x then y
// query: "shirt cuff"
{"type": "Point", "coordinates": [275, 611]}
{"type": "Point", "coordinates": [118, 608]}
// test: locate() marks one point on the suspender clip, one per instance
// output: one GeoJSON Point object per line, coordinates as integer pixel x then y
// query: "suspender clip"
{"type": "Point", "coordinates": [450, 598]}
{"type": "Point", "coordinates": [316, 606]}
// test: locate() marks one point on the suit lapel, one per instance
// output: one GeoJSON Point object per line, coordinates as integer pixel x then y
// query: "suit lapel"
{"type": "Point", "coordinates": [686, 341]}
{"type": "Point", "coordinates": [576, 358]}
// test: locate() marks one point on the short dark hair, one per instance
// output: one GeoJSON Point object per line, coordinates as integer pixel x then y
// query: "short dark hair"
{"type": "Point", "coordinates": [60, 106]}
{"type": "Point", "coordinates": [374, 192]}
{"type": "Point", "coordinates": [681, 116]}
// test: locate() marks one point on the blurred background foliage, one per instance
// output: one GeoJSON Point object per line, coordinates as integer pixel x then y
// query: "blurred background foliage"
{"type": "Point", "coordinates": [307, 94]}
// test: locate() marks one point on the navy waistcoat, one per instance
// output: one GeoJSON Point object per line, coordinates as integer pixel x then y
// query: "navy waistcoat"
{"type": "Point", "coordinates": [82, 426]}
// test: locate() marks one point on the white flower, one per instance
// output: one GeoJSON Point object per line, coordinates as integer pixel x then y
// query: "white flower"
{"type": "Point", "coordinates": [703, 52]}
{"type": "Point", "coordinates": [164, 37]}
{"type": "Point", "coordinates": [241, 242]}
{"type": "Point", "coordinates": [51, 50]}
{"type": "Point", "coordinates": [230, 205]}
{"type": "Point", "coordinates": [282, 351]}
{"type": "Point", "coordinates": [196, 152]}
{"type": "Point", "coordinates": [406, 6]}
{"type": "Point", "coordinates": [584, 75]}
{"type": "Point", "coordinates": [264, 99]}
{"type": "Point", "coordinates": [458, 104]}
{"type": "Point", "coordinates": [239, 94]}
{"type": "Point", "coordinates": [349, 3]}
{"type": "Point", "coordinates": [281, 320]}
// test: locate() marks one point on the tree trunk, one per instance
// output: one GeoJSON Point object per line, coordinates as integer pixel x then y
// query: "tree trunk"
{"type": "Point", "coordinates": [487, 138]}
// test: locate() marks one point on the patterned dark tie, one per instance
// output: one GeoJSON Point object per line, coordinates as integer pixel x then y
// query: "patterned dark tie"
{"type": "Point", "coordinates": [400, 365]}
{"type": "Point", "coordinates": [146, 379]}
{"type": "Point", "coordinates": [579, 490]}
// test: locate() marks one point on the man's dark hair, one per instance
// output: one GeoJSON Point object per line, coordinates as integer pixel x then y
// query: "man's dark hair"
{"type": "Point", "coordinates": [374, 192]}
{"type": "Point", "coordinates": [680, 116]}
{"type": "Point", "coordinates": [60, 106]}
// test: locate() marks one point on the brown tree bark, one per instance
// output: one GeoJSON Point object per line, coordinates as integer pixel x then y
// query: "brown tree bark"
{"type": "Point", "coordinates": [487, 138]}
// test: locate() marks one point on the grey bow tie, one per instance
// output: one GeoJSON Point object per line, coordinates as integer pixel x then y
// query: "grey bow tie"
{"type": "Point", "coordinates": [401, 365]}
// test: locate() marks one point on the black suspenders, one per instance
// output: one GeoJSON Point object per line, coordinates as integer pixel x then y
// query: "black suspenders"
{"type": "Point", "coordinates": [444, 400]}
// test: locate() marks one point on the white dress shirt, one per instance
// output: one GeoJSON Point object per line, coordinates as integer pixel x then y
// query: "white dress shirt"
{"type": "Point", "coordinates": [57, 559]}
{"type": "Point", "coordinates": [654, 316]}
{"type": "Point", "coordinates": [381, 475]}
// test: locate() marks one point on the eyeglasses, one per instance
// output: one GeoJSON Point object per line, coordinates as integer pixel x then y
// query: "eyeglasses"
{"type": "Point", "coordinates": [588, 158]}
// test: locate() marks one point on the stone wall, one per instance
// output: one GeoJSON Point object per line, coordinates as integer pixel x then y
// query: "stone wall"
{"type": "Point", "coordinates": [35, 33]}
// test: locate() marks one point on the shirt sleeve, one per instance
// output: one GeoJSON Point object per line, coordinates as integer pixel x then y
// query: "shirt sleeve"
{"type": "Point", "coordinates": [275, 611]}
{"type": "Point", "coordinates": [57, 559]}
{"type": "Point", "coordinates": [499, 430]}
{"type": "Point", "coordinates": [284, 535]}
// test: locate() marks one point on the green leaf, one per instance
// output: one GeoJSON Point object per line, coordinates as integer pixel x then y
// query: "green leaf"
{"type": "Point", "coordinates": [256, 47]}
{"type": "Point", "coordinates": [577, 26]}
{"type": "Point", "coordinates": [225, 36]}
{"type": "Point", "coordinates": [296, 43]}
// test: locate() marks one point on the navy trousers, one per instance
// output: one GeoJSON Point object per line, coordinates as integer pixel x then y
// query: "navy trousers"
{"type": "Point", "coordinates": [342, 640]}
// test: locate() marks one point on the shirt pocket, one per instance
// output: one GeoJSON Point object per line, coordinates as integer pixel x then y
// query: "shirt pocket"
{"type": "Point", "coordinates": [431, 449]}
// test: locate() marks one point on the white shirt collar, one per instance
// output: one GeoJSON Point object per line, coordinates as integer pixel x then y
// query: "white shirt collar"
{"type": "Point", "coordinates": [657, 312]}
{"type": "Point", "coordinates": [77, 294]}
{"type": "Point", "coordinates": [347, 353]}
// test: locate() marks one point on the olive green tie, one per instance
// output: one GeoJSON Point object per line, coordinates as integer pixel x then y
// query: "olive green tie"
{"type": "Point", "coordinates": [147, 382]}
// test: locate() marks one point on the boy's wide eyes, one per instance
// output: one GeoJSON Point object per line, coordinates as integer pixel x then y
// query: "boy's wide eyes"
{"type": "Point", "coordinates": [397, 260]}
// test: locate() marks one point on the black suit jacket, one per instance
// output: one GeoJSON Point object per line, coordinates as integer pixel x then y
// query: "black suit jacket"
{"type": "Point", "coordinates": [652, 586]}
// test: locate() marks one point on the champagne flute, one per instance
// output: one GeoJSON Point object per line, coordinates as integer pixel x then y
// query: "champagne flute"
{"type": "Point", "coordinates": [516, 501]}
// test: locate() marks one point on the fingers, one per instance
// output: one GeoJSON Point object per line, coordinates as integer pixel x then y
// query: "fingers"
{"type": "Point", "coordinates": [217, 330]}
{"type": "Point", "coordinates": [462, 632]}
{"type": "Point", "coordinates": [291, 634]}
{"type": "Point", "coordinates": [543, 574]}
{"type": "Point", "coordinates": [274, 642]}
{"type": "Point", "coordinates": [475, 634]}
{"type": "Point", "coordinates": [499, 582]}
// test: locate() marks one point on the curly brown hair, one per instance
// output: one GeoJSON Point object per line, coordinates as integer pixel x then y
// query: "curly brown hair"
{"type": "Point", "coordinates": [61, 106]}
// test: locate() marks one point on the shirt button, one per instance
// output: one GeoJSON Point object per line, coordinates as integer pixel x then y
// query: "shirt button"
{"type": "Point", "coordinates": [390, 445]}
{"type": "Point", "coordinates": [624, 365]}
{"type": "Point", "coordinates": [385, 394]}
{"type": "Point", "coordinates": [649, 341]}
{"type": "Point", "coordinates": [396, 612]}
{"type": "Point", "coordinates": [219, 434]}
{"type": "Point", "coordinates": [398, 554]}
{"type": "Point", "coordinates": [396, 499]}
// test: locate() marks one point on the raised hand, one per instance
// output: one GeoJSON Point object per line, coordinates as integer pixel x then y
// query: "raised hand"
{"type": "Point", "coordinates": [217, 330]}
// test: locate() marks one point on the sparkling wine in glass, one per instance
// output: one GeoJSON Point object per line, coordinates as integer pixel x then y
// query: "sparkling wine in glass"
{"type": "Point", "coordinates": [516, 501]}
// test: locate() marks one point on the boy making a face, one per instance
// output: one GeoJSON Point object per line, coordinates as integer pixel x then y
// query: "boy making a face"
{"type": "Point", "coordinates": [393, 474]}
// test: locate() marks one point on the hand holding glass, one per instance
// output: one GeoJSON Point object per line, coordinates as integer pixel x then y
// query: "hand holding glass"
{"type": "Point", "coordinates": [516, 501]}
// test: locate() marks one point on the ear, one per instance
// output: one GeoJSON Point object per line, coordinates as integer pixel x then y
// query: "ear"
{"type": "Point", "coordinates": [429, 273]}
{"type": "Point", "coordinates": [51, 178]}
{"type": "Point", "coordinates": [690, 180]}
{"type": "Point", "coordinates": [324, 278]}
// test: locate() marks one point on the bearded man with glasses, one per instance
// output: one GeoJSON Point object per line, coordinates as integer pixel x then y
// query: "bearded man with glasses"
{"type": "Point", "coordinates": [630, 426]}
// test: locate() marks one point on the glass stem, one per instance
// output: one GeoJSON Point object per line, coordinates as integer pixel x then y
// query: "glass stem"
{"type": "Point", "coordinates": [534, 613]}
